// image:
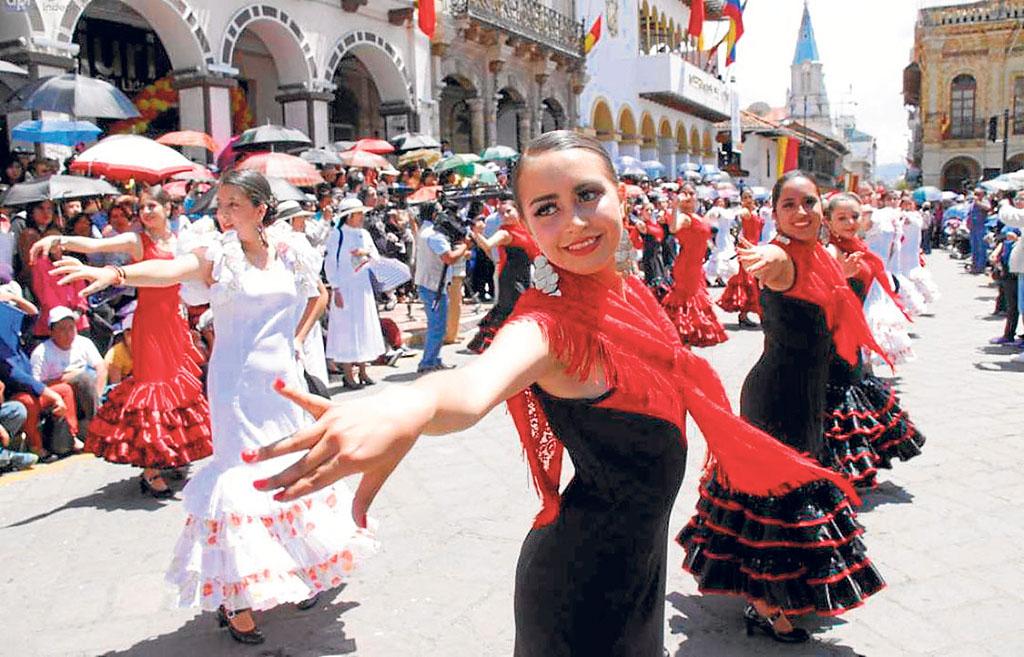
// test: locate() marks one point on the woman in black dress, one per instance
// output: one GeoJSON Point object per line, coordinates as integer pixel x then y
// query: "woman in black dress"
{"type": "Point", "coordinates": [516, 251]}
{"type": "Point", "coordinates": [866, 428]}
{"type": "Point", "coordinates": [588, 363]}
{"type": "Point", "coordinates": [800, 552]}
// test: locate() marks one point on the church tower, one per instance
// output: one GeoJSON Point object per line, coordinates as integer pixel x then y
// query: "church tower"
{"type": "Point", "coordinates": [808, 99]}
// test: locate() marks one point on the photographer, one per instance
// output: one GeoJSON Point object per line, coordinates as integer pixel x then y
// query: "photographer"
{"type": "Point", "coordinates": [435, 253]}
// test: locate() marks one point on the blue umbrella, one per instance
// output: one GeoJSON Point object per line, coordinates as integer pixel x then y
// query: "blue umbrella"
{"type": "Point", "coordinates": [638, 172]}
{"type": "Point", "coordinates": [689, 166]}
{"type": "Point", "coordinates": [626, 162]}
{"type": "Point", "coordinates": [56, 131]}
{"type": "Point", "coordinates": [931, 194]}
{"type": "Point", "coordinates": [709, 169]}
{"type": "Point", "coordinates": [654, 168]}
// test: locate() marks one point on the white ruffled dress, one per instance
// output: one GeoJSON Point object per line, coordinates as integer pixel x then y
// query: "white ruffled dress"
{"type": "Point", "coordinates": [239, 548]}
{"type": "Point", "coordinates": [722, 263]}
{"type": "Point", "coordinates": [889, 326]}
{"type": "Point", "coordinates": [910, 260]}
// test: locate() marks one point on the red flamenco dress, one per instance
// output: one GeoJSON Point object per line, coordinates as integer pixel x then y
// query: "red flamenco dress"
{"type": "Point", "coordinates": [158, 417]}
{"type": "Point", "coordinates": [591, 573]}
{"type": "Point", "coordinates": [742, 294]}
{"type": "Point", "coordinates": [514, 260]}
{"type": "Point", "coordinates": [688, 304]}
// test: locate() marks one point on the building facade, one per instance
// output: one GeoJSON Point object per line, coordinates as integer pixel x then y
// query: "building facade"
{"type": "Point", "coordinates": [967, 66]}
{"type": "Point", "coordinates": [649, 93]}
{"type": "Point", "coordinates": [807, 100]}
{"type": "Point", "coordinates": [335, 69]}
{"type": "Point", "coordinates": [504, 72]}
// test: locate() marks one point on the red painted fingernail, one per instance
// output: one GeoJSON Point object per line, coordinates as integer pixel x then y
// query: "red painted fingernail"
{"type": "Point", "coordinates": [279, 384]}
{"type": "Point", "coordinates": [279, 496]}
{"type": "Point", "coordinates": [259, 484]}
{"type": "Point", "coordinates": [249, 455]}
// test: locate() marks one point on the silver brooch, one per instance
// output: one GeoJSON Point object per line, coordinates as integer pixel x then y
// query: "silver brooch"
{"type": "Point", "coordinates": [545, 278]}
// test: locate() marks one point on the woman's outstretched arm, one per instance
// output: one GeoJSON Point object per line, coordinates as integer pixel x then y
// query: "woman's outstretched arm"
{"type": "Point", "coordinates": [148, 273]}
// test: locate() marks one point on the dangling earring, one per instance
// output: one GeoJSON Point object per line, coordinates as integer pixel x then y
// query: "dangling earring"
{"type": "Point", "coordinates": [261, 231]}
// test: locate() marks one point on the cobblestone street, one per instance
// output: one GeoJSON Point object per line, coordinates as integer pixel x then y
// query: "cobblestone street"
{"type": "Point", "coordinates": [84, 552]}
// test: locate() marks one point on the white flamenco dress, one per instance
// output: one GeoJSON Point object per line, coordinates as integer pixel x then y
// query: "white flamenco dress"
{"type": "Point", "coordinates": [889, 326]}
{"type": "Point", "coordinates": [353, 330]}
{"type": "Point", "coordinates": [885, 238]}
{"type": "Point", "coordinates": [910, 260]}
{"type": "Point", "coordinates": [722, 262]}
{"type": "Point", "coordinates": [239, 547]}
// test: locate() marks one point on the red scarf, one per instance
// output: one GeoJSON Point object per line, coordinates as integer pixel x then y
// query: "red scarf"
{"type": "Point", "coordinates": [522, 239]}
{"type": "Point", "coordinates": [875, 266]}
{"type": "Point", "coordinates": [820, 280]}
{"type": "Point", "coordinates": [631, 342]}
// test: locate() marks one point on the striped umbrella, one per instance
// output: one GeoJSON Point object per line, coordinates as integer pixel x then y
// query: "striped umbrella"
{"type": "Point", "coordinates": [286, 167]}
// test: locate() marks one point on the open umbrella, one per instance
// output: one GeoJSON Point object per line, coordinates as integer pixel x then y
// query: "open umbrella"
{"type": "Point", "coordinates": [499, 153]}
{"type": "Point", "coordinates": [480, 172]}
{"type": "Point", "coordinates": [626, 161]}
{"type": "Point", "coordinates": [342, 145]}
{"type": "Point", "coordinates": [281, 165]}
{"type": "Point", "coordinates": [121, 157]}
{"type": "Point", "coordinates": [410, 141]}
{"type": "Point", "coordinates": [189, 138]}
{"type": "Point", "coordinates": [271, 138]}
{"type": "Point", "coordinates": [456, 161]}
{"type": "Point", "coordinates": [56, 131]}
{"type": "Point", "coordinates": [197, 172]}
{"type": "Point", "coordinates": [362, 160]}
{"type": "Point", "coordinates": [654, 168]}
{"type": "Point", "coordinates": [637, 172]}
{"type": "Point", "coordinates": [928, 193]}
{"type": "Point", "coordinates": [320, 156]}
{"type": "Point", "coordinates": [11, 69]}
{"type": "Point", "coordinates": [77, 95]}
{"type": "Point", "coordinates": [423, 157]}
{"type": "Point", "coordinates": [56, 188]}
{"type": "Point", "coordinates": [378, 146]}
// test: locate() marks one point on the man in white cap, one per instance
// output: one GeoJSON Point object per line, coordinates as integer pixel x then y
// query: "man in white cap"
{"type": "Point", "coordinates": [67, 357]}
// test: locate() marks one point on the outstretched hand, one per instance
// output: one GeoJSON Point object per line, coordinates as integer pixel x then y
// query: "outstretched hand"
{"type": "Point", "coordinates": [850, 263]}
{"type": "Point", "coordinates": [369, 438]}
{"type": "Point", "coordinates": [72, 270]}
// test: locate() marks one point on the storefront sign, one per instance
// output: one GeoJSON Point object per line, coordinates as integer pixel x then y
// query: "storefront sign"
{"type": "Point", "coordinates": [127, 57]}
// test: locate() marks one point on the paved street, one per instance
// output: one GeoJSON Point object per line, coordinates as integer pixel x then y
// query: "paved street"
{"type": "Point", "coordinates": [84, 553]}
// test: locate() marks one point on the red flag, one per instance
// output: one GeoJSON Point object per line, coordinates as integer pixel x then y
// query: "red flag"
{"type": "Point", "coordinates": [427, 19]}
{"type": "Point", "coordinates": [792, 155]}
{"type": "Point", "coordinates": [592, 36]}
{"type": "Point", "coordinates": [696, 27]}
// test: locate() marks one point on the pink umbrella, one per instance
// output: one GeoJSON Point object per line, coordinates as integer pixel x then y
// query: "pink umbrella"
{"type": "Point", "coordinates": [378, 146]}
{"type": "Point", "coordinates": [122, 157]}
{"type": "Point", "coordinates": [286, 167]}
{"type": "Point", "coordinates": [227, 155]}
{"type": "Point", "coordinates": [362, 160]}
{"type": "Point", "coordinates": [198, 172]}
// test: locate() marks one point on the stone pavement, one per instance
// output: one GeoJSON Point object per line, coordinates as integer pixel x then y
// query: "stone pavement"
{"type": "Point", "coordinates": [84, 553]}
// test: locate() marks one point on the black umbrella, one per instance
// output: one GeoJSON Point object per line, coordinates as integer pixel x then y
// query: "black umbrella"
{"type": "Point", "coordinates": [412, 141]}
{"type": "Point", "coordinates": [56, 188]}
{"type": "Point", "coordinates": [272, 138]}
{"type": "Point", "coordinates": [320, 156]}
{"type": "Point", "coordinates": [73, 94]}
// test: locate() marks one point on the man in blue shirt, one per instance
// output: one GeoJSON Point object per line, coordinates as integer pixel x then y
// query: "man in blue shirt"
{"type": "Point", "coordinates": [977, 214]}
{"type": "Point", "coordinates": [434, 257]}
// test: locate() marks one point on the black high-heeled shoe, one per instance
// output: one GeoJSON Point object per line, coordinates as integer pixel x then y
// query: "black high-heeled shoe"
{"type": "Point", "coordinates": [755, 620]}
{"type": "Point", "coordinates": [308, 603]}
{"type": "Point", "coordinates": [351, 384]}
{"type": "Point", "coordinates": [366, 380]}
{"type": "Point", "coordinates": [146, 486]}
{"type": "Point", "coordinates": [252, 637]}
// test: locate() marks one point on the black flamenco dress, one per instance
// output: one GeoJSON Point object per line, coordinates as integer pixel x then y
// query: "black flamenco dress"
{"type": "Point", "coordinates": [800, 551]}
{"type": "Point", "coordinates": [593, 581]}
{"type": "Point", "coordinates": [866, 428]}
{"type": "Point", "coordinates": [513, 279]}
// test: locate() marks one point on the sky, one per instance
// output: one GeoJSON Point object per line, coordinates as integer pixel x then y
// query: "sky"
{"type": "Point", "coordinates": [864, 46]}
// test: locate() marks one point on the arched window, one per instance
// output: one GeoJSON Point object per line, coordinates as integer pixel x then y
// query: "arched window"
{"type": "Point", "coordinates": [1018, 105]}
{"type": "Point", "coordinates": [962, 93]}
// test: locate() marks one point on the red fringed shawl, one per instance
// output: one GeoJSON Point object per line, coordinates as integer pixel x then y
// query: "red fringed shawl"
{"type": "Point", "coordinates": [875, 267]}
{"type": "Point", "coordinates": [629, 342]}
{"type": "Point", "coordinates": [820, 280]}
{"type": "Point", "coordinates": [522, 239]}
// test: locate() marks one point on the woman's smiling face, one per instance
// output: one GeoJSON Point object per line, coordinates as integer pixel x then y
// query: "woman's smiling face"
{"type": "Point", "coordinates": [798, 209]}
{"type": "Point", "coordinates": [570, 204]}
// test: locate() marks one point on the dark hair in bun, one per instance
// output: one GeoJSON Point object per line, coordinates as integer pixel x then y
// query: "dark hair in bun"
{"type": "Point", "coordinates": [256, 187]}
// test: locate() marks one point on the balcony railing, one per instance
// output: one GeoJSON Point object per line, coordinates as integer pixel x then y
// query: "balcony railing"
{"type": "Point", "coordinates": [975, 129]}
{"type": "Point", "coordinates": [530, 19]}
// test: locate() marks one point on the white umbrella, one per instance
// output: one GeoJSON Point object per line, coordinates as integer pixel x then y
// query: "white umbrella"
{"type": "Point", "coordinates": [121, 157]}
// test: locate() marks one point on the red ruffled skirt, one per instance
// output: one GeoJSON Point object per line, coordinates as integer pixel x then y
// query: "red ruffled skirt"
{"type": "Point", "coordinates": [694, 318]}
{"type": "Point", "coordinates": [153, 424]}
{"type": "Point", "coordinates": [741, 295]}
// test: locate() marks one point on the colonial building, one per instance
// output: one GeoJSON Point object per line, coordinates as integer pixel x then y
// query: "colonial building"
{"type": "Point", "coordinates": [334, 69]}
{"type": "Point", "coordinates": [967, 66]}
{"type": "Point", "coordinates": [807, 100]}
{"type": "Point", "coordinates": [649, 93]}
{"type": "Point", "coordinates": [504, 72]}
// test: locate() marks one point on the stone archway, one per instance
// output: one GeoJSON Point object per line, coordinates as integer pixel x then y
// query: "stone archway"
{"type": "Point", "coordinates": [648, 137]}
{"type": "Point", "coordinates": [174, 21]}
{"type": "Point", "coordinates": [367, 70]}
{"type": "Point", "coordinates": [461, 112]}
{"type": "Point", "coordinates": [695, 143]}
{"type": "Point", "coordinates": [552, 115]}
{"type": "Point", "coordinates": [1015, 163]}
{"type": "Point", "coordinates": [513, 121]}
{"type": "Point", "coordinates": [667, 147]}
{"type": "Point", "coordinates": [682, 145]}
{"type": "Point", "coordinates": [959, 173]}
{"type": "Point", "coordinates": [630, 136]}
{"type": "Point", "coordinates": [601, 120]}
